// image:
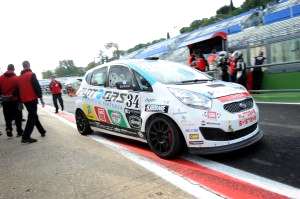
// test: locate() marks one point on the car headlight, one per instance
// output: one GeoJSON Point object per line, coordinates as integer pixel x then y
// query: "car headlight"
{"type": "Point", "coordinates": [192, 99]}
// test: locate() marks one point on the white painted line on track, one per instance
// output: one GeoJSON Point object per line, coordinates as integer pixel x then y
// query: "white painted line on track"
{"type": "Point", "coordinates": [262, 182]}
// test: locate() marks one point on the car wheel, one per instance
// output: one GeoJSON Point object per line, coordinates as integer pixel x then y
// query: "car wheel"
{"type": "Point", "coordinates": [163, 137]}
{"type": "Point", "coordinates": [82, 123]}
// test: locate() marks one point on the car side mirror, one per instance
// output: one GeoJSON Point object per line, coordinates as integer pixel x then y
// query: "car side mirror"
{"type": "Point", "coordinates": [144, 82]}
{"type": "Point", "coordinates": [123, 86]}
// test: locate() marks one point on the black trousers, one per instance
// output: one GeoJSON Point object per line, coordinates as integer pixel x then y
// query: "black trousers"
{"type": "Point", "coordinates": [32, 120]}
{"type": "Point", "coordinates": [257, 78]}
{"type": "Point", "coordinates": [12, 112]}
{"type": "Point", "coordinates": [225, 76]}
{"type": "Point", "coordinates": [58, 97]}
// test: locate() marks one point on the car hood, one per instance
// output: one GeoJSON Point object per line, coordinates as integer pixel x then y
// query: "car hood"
{"type": "Point", "coordinates": [212, 89]}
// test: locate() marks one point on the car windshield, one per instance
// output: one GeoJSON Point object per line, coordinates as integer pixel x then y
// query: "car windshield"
{"type": "Point", "coordinates": [175, 73]}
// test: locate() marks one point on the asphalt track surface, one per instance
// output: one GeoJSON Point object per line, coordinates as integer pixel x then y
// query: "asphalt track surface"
{"type": "Point", "coordinates": [276, 157]}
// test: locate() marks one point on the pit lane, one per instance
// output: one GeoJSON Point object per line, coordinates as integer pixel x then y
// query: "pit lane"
{"type": "Point", "coordinates": [276, 157]}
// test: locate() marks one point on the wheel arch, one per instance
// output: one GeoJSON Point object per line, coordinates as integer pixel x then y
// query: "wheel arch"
{"type": "Point", "coordinates": [155, 115]}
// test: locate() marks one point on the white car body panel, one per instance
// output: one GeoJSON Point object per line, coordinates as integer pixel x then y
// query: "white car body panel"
{"type": "Point", "coordinates": [162, 101]}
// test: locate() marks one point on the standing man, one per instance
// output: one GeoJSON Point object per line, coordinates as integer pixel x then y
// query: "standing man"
{"type": "Point", "coordinates": [212, 59]}
{"type": "Point", "coordinates": [29, 92]}
{"type": "Point", "coordinates": [55, 88]}
{"type": "Point", "coordinates": [257, 71]}
{"type": "Point", "coordinates": [8, 91]}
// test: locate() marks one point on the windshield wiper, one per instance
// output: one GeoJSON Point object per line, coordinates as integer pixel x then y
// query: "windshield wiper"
{"type": "Point", "coordinates": [196, 80]}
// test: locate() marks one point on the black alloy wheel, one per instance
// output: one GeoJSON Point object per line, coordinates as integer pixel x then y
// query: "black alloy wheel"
{"type": "Point", "coordinates": [82, 123]}
{"type": "Point", "coordinates": [163, 137]}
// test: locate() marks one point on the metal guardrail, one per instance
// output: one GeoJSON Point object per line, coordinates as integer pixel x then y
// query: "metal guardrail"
{"type": "Point", "coordinates": [213, 73]}
{"type": "Point", "coordinates": [275, 91]}
{"type": "Point", "coordinates": [274, 64]}
{"type": "Point", "coordinates": [260, 66]}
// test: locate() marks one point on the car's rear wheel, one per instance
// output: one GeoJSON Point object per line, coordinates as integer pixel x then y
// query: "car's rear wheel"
{"type": "Point", "coordinates": [82, 123]}
{"type": "Point", "coordinates": [163, 137]}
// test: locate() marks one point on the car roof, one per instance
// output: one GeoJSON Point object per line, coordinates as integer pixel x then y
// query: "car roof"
{"type": "Point", "coordinates": [135, 64]}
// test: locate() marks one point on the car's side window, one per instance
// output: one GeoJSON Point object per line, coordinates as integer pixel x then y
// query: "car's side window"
{"type": "Point", "coordinates": [119, 74]}
{"type": "Point", "coordinates": [142, 82]}
{"type": "Point", "coordinates": [88, 78]}
{"type": "Point", "coordinates": [99, 77]}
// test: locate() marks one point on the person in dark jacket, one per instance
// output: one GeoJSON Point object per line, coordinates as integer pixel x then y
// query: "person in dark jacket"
{"type": "Point", "coordinates": [11, 105]}
{"type": "Point", "coordinates": [240, 67]}
{"type": "Point", "coordinates": [222, 64]}
{"type": "Point", "coordinates": [29, 92]}
{"type": "Point", "coordinates": [257, 71]}
{"type": "Point", "coordinates": [55, 88]}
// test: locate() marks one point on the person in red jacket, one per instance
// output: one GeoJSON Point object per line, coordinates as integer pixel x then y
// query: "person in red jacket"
{"type": "Point", "coordinates": [29, 92]}
{"type": "Point", "coordinates": [201, 63]}
{"type": "Point", "coordinates": [8, 91]}
{"type": "Point", "coordinates": [55, 88]}
{"type": "Point", "coordinates": [232, 68]}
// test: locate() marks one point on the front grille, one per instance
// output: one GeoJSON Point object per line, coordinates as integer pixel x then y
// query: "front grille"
{"type": "Point", "coordinates": [239, 106]}
{"type": "Point", "coordinates": [215, 134]}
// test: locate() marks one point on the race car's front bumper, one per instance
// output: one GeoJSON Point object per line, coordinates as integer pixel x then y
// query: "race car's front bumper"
{"type": "Point", "coordinates": [227, 148]}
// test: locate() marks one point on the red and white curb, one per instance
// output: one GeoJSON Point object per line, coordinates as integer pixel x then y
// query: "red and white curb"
{"type": "Point", "coordinates": [197, 176]}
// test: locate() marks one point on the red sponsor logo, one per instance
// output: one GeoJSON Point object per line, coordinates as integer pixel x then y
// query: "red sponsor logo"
{"type": "Point", "coordinates": [212, 115]}
{"type": "Point", "coordinates": [247, 117]}
{"type": "Point", "coordinates": [101, 114]}
{"type": "Point", "coordinates": [234, 97]}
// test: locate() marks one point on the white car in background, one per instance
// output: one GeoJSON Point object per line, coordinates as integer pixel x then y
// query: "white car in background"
{"type": "Point", "coordinates": [167, 105]}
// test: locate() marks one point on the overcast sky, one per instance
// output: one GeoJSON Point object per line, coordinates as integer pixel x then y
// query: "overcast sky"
{"type": "Point", "coordinates": [46, 31]}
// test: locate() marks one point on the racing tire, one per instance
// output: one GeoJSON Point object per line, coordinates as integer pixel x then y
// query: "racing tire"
{"type": "Point", "coordinates": [164, 137]}
{"type": "Point", "coordinates": [82, 123]}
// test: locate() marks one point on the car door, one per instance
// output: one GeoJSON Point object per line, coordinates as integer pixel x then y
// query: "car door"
{"type": "Point", "coordinates": [124, 110]}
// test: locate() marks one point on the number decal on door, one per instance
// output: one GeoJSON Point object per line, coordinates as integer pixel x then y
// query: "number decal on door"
{"type": "Point", "coordinates": [133, 101]}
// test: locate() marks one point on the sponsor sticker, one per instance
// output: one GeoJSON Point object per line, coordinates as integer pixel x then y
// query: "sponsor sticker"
{"type": "Point", "coordinates": [194, 136]}
{"type": "Point", "coordinates": [134, 118]}
{"type": "Point", "coordinates": [150, 100]}
{"type": "Point", "coordinates": [101, 114]}
{"type": "Point", "coordinates": [192, 130]}
{"type": "Point", "coordinates": [234, 97]}
{"type": "Point", "coordinates": [135, 121]}
{"type": "Point", "coordinates": [195, 142]}
{"type": "Point", "coordinates": [88, 110]}
{"type": "Point", "coordinates": [117, 118]}
{"type": "Point", "coordinates": [247, 117]}
{"type": "Point", "coordinates": [156, 108]}
{"type": "Point", "coordinates": [212, 115]}
{"type": "Point", "coordinates": [214, 123]}
{"type": "Point", "coordinates": [117, 97]}
{"type": "Point", "coordinates": [99, 94]}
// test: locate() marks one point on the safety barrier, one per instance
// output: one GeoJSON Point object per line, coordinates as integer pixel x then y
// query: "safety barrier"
{"type": "Point", "coordinates": [295, 64]}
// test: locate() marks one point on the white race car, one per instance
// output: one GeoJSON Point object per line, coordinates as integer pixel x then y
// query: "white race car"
{"type": "Point", "coordinates": [167, 105]}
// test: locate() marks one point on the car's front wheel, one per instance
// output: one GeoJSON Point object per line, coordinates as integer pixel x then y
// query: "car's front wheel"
{"type": "Point", "coordinates": [82, 123]}
{"type": "Point", "coordinates": [163, 137]}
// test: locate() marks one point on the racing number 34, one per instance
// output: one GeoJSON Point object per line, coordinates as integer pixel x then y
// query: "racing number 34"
{"type": "Point", "coordinates": [133, 100]}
